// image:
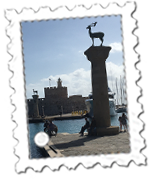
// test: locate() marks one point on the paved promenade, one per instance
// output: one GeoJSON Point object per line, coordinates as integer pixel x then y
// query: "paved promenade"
{"type": "Point", "coordinates": [65, 144]}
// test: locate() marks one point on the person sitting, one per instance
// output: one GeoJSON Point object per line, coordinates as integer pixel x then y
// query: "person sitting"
{"type": "Point", "coordinates": [92, 129]}
{"type": "Point", "coordinates": [46, 123]}
{"type": "Point", "coordinates": [86, 126]}
{"type": "Point", "coordinates": [52, 129]}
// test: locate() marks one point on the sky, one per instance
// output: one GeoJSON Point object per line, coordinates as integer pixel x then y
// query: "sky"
{"type": "Point", "coordinates": [55, 48]}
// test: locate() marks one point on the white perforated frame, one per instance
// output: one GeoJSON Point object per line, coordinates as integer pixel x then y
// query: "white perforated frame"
{"type": "Point", "coordinates": [18, 99]}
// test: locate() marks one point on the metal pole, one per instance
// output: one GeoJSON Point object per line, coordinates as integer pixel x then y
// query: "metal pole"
{"type": "Point", "coordinates": [117, 93]}
{"type": "Point", "coordinates": [121, 89]}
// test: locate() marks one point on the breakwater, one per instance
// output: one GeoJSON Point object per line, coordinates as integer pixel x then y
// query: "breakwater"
{"type": "Point", "coordinates": [55, 118]}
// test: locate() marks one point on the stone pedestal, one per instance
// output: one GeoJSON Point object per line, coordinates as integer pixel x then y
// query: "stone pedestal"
{"type": "Point", "coordinates": [97, 55]}
{"type": "Point", "coordinates": [107, 131]}
{"type": "Point", "coordinates": [35, 106]}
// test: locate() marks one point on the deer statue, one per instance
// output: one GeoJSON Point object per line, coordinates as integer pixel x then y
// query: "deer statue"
{"type": "Point", "coordinates": [35, 92]}
{"type": "Point", "coordinates": [99, 35]}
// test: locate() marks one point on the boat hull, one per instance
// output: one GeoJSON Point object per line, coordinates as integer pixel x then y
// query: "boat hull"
{"type": "Point", "coordinates": [121, 110]}
{"type": "Point", "coordinates": [89, 106]}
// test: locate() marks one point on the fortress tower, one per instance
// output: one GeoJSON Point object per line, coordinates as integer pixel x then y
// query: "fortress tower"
{"type": "Point", "coordinates": [59, 83]}
{"type": "Point", "coordinates": [35, 106]}
{"type": "Point", "coordinates": [58, 92]}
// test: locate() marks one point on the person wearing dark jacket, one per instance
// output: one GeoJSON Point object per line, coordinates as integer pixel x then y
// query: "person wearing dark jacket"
{"type": "Point", "coordinates": [124, 122]}
{"type": "Point", "coordinates": [46, 125]}
{"type": "Point", "coordinates": [86, 126]}
{"type": "Point", "coordinates": [120, 121]}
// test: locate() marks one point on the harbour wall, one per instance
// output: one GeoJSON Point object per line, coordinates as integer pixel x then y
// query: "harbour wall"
{"type": "Point", "coordinates": [51, 107]}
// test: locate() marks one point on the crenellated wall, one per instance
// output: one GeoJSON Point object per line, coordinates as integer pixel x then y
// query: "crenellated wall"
{"type": "Point", "coordinates": [56, 101]}
{"type": "Point", "coordinates": [55, 93]}
{"type": "Point", "coordinates": [56, 106]}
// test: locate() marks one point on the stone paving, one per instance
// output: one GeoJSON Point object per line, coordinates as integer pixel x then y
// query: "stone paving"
{"type": "Point", "coordinates": [74, 144]}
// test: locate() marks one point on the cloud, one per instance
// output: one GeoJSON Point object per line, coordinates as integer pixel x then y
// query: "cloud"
{"type": "Point", "coordinates": [77, 82]}
{"type": "Point", "coordinates": [80, 53]}
{"type": "Point", "coordinates": [116, 47]}
{"type": "Point", "coordinates": [114, 73]}
{"type": "Point", "coordinates": [113, 70]}
{"type": "Point", "coordinates": [116, 80]}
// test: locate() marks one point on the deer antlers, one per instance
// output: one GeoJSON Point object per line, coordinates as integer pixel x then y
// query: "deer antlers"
{"type": "Point", "coordinates": [92, 24]}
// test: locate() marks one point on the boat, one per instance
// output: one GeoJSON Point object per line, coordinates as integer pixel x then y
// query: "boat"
{"type": "Point", "coordinates": [89, 104]}
{"type": "Point", "coordinates": [121, 109]}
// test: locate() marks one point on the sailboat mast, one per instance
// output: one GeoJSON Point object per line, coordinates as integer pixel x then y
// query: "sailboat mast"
{"type": "Point", "coordinates": [111, 79]}
{"type": "Point", "coordinates": [123, 94]}
{"type": "Point", "coordinates": [121, 89]}
{"type": "Point", "coordinates": [117, 92]}
{"type": "Point", "coordinates": [122, 82]}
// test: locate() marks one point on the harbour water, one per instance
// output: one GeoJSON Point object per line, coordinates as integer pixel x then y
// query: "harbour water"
{"type": "Point", "coordinates": [69, 126]}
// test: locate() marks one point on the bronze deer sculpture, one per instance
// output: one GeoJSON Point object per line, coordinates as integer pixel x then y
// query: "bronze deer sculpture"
{"type": "Point", "coordinates": [99, 35]}
{"type": "Point", "coordinates": [35, 92]}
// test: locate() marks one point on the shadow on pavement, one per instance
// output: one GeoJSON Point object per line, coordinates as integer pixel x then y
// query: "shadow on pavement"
{"type": "Point", "coordinates": [74, 143]}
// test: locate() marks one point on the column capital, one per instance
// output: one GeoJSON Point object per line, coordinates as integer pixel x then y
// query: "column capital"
{"type": "Point", "coordinates": [35, 96]}
{"type": "Point", "coordinates": [97, 53]}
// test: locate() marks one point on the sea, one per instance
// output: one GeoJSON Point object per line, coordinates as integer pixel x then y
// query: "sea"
{"type": "Point", "coordinates": [64, 126]}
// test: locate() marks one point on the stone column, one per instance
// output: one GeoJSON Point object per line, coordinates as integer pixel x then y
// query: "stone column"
{"type": "Point", "coordinates": [35, 106]}
{"type": "Point", "coordinates": [97, 55]}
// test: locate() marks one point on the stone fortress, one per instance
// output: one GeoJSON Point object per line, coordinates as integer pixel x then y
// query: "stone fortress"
{"type": "Point", "coordinates": [56, 102]}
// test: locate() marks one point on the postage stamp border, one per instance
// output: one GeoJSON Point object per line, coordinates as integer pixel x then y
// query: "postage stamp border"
{"type": "Point", "coordinates": [17, 83]}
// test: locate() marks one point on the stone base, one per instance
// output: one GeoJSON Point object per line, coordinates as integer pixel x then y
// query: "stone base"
{"type": "Point", "coordinates": [107, 131]}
